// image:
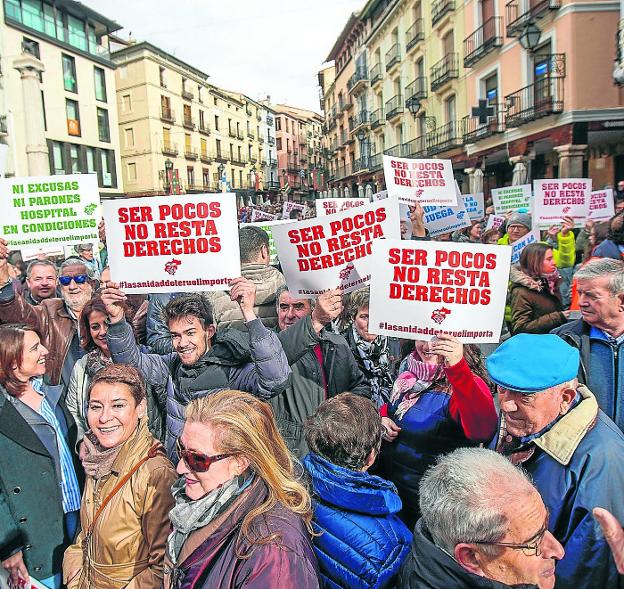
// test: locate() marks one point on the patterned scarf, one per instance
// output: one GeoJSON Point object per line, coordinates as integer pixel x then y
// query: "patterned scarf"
{"type": "Point", "coordinates": [550, 281]}
{"type": "Point", "coordinates": [377, 364]}
{"type": "Point", "coordinates": [418, 377]}
{"type": "Point", "coordinates": [97, 460]}
{"type": "Point", "coordinates": [96, 360]}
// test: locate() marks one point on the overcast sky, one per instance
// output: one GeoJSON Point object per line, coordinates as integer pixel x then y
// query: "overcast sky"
{"type": "Point", "coordinates": [257, 47]}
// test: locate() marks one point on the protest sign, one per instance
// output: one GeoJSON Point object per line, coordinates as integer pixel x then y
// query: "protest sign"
{"type": "Point", "coordinates": [441, 220]}
{"type": "Point", "coordinates": [318, 254]}
{"type": "Point", "coordinates": [331, 206]}
{"type": "Point", "coordinates": [475, 206]}
{"type": "Point", "coordinates": [289, 206]}
{"type": "Point", "coordinates": [258, 215]}
{"type": "Point", "coordinates": [511, 198]}
{"type": "Point", "coordinates": [6, 583]}
{"type": "Point", "coordinates": [559, 198]}
{"type": "Point", "coordinates": [428, 182]}
{"type": "Point", "coordinates": [421, 289]}
{"type": "Point", "coordinates": [182, 243]}
{"type": "Point", "coordinates": [43, 252]}
{"type": "Point", "coordinates": [494, 222]}
{"type": "Point", "coordinates": [379, 195]}
{"type": "Point", "coordinates": [601, 205]}
{"type": "Point", "coordinates": [50, 210]}
{"type": "Point", "coordinates": [268, 227]}
{"type": "Point", "coordinates": [518, 246]}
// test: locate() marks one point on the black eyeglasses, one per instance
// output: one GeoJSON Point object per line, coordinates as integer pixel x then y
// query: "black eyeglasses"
{"type": "Point", "coordinates": [78, 279]}
{"type": "Point", "coordinates": [531, 549]}
{"type": "Point", "coordinates": [197, 461]}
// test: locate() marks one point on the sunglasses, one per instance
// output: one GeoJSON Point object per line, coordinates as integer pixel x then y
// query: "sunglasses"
{"type": "Point", "coordinates": [196, 461]}
{"type": "Point", "coordinates": [78, 279]}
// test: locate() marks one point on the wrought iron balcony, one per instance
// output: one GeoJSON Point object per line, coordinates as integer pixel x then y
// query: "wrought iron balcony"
{"type": "Point", "coordinates": [204, 129]}
{"type": "Point", "coordinates": [232, 134]}
{"type": "Point", "coordinates": [440, 8]}
{"type": "Point", "coordinates": [169, 148]}
{"type": "Point", "coordinates": [167, 115]}
{"type": "Point", "coordinates": [415, 34]}
{"type": "Point", "coordinates": [221, 157]}
{"type": "Point", "coordinates": [517, 20]}
{"type": "Point", "coordinates": [187, 95]}
{"type": "Point", "coordinates": [190, 153]}
{"type": "Point", "coordinates": [261, 140]}
{"type": "Point", "coordinates": [271, 185]}
{"type": "Point", "coordinates": [3, 125]}
{"type": "Point", "coordinates": [417, 89]}
{"type": "Point", "coordinates": [376, 74]}
{"type": "Point", "coordinates": [188, 123]}
{"type": "Point", "coordinates": [394, 107]}
{"type": "Point", "coordinates": [542, 98]}
{"type": "Point", "coordinates": [476, 129]}
{"type": "Point", "coordinates": [394, 151]}
{"type": "Point", "coordinates": [393, 56]}
{"type": "Point", "coordinates": [444, 70]}
{"type": "Point", "coordinates": [375, 162]}
{"type": "Point", "coordinates": [343, 107]}
{"type": "Point", "coordinates": [273, 162]}
{"type": "Point", "coordinates": [415, 148]}
{"type": "Point", "coordinates": [485, 39]}
{"type": "Point", "coordinates": [195, 187]}
{"type": "Point", "coordinates": [360, 164]}
{"type": "Point", "coordinates": [205, 157]}
{"type": "Point", "coordinates": [239, 160]}
{"type": "Point", "coordinates": [258, 116]}
{"type": "Point", "coordinates": [239, 135]}
{"type": "Point", "coordinates": [251, 135]}
{"type": "Point", "coordinates": [361, 119]}
{"type": "Point", "coordinates": [358, 80]}
{"type": "Point", "coordinates": [269, 121]}
{"type": "Point", "coordinates": [248, 110]}
{"type": "Point", "coordinates": [377, 118]}
{"type": "Point", "coordinates": [270, 140]}
{"type": "Point", "coordinates": [445, 137]}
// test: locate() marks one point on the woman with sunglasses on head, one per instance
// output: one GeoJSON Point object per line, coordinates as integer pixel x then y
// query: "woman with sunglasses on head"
{"type": "Point", "coordinates": [39, 480]}
{"type": "Point", "coordinates": [241, 517]}
{"type": "Point", "coordinates": [127, 498]}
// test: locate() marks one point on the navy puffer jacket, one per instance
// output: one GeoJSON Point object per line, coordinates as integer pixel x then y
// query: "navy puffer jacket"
{"type": "Point", "coordinates": [362, 541]}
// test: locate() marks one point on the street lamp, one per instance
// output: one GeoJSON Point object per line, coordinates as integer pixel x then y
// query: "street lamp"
{"type": "Point", "coordinates": [413, 105]}
{"type": "Point", "coordinates": [530, 36]}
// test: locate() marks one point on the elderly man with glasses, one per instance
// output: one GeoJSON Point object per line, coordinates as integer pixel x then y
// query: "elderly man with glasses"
{"type": "Point", "coordinates": [553, 427]}
{"type": "Point", "coordinates": [55, 319]}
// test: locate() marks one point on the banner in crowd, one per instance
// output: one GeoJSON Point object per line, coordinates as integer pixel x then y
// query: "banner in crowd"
{"type": "Point", "coordinates": [494, 222]}
{"type": "Point", "coordinates": [559, 198]}
{"type": "Point", "coordinates": [428, 182]}
{"type": "Point", "coordinates": [268, 227]}
{"type": "Point", "coordinates": [419, 289]}
{"type": "Point", "coordinates": [511, 198]}
{"type": "Point", "coordinates": [381, 195]}
{"type": "Point", "coordinates": [331, 206]}
{"type": "Point", "coordinates": [327, 252]}
{"type": "Point", "coordinates": [176, 243]}
{"type": "Point", "coordinates": [475, 205]}
{"type": "Point", "coordinates": [601, 205]}
{"type": "Point", "coordinates": [289, 206]}
{"type": "Point", "coordinates": [518, 246]}
{"type": "Point", "coordinates": [50, 210]}
{"type": "Point", "coordinates": [259, 215]}
{"type": "Point", "coordinates": [441, 220]}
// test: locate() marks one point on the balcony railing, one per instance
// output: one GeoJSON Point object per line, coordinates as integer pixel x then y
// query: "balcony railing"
{"type": "Point", "coordinates": [417, 89]}
{"type": "Point", "coordinates": [445, 137]}
{"type": "Point", "coordinates": [517, 20]}
{"type": "Point", "coordinates": [415, 34]}
{"type": "Point", "coordinates": [542, 98]}
{"type": "Point", "coordinates": [205, 157]}
{"type": "Point", "coordinates": [273, 162]}
{"type": "Point", "coordinates": [376, 74]}
{"type": "Point", "coordinates": [375, 162]}
{"type": "Point", "coordinates": [360, 164]}
{"type": "Point", "coordinates": [204, 129]}
{"type": "Point", "coordinates": [444, 70]}
{"type": "Point", "coordinates": [271, 185]}
{"type": "Point", "coordinates": [393, 56]}
{"type": "Point", "coordinates": [239, 160]}
{"type": "Point", "coordinates": [3, 125]}
{"type": "Point", "coordinates": [188, 123]}
{"type": "Point", "coordinates": [269, 121]}
{"type": "Point", "coordinates": [232, 134]}
{"type": "Point", "coordinates": [377, 118]}
{"type": "Point", "coordinates": [251, 135]}
{"type": "Point", "coordinates": [190, 153]}
{"type": "Point", "coordinates": [169, 148]}
{"type": "Point", "coordinates": [475, 129]}
{"type": "Point", "coordinates": [167, 115]}
{"type": "Point", "coordinates": [258, 116]}
{"type": "Point", "coordinates": [394, 151]}
{"type": "Point", "coordinates": [358, 80]}
{"type": "Point", "coordinates": [270, 140]}
{"type": "Point", "coordinates": [415, 148]}
{"type": "Point", "coordinates": [344, 106]}
{"type": "Point", "coordinates": [394, 107]}
{"type": "Point", "coordinates": [360, 119]}
{"type": "Point", "coordinates": [440, 8]}
{"type": "Point", "coordinates": [485, 39]}
{"type": "Point", "coordinates": [239, 135]}
{"type": "Point", "coordinates": [187, 95]}
{"type": "Point", "coordinates": [195, 187]}
{"type": "Point", "coordinates": [221, 157]}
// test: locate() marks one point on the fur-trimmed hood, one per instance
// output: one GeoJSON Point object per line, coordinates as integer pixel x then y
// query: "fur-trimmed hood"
{"type": "Point", "coordinates": [518, 277]}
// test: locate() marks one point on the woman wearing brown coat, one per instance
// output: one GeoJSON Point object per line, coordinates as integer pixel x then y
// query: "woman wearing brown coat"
{"type": "Point", "coordinates": [127, 497]}
{"type": "Point", "coordinates": [535, 300]}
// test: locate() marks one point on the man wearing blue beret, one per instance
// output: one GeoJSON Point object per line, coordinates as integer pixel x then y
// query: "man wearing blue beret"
{"type": "Point", "coordinates": [553, 427]}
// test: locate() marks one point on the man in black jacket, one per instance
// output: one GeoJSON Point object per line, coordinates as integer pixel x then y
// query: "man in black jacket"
{"type": "Point", "coordinates": [321, 361]}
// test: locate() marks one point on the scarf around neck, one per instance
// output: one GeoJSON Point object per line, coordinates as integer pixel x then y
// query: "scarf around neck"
{"type": "Point", "coordinates": [550, 281]}
{"type": "Point", "coordinates": [97, 460]}
{"type": "Point", "coordinates": [377, 362]}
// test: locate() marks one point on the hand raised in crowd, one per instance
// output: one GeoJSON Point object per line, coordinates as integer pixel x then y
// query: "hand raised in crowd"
{"type": "Point", "coordinates": [328, 307]}
{"type": "Point", "coordinates": [417, 217]}
{"type": "Point", "coordinates": [614, 535]}
{"type": "Point", "coordinates": [451, 349]}
{"type": "Point", "coordinates": [567, 224]}
{"type": "Point", "coordinates": [243, 291]}
{"type": "Point", "coordinates": [392, 430]}
{"type": "Point", "coordinates": [14, 565]}
{"type": "Point", "coordinates": [4, 264]}
{"type": "Point", "coordinates": [113, 298]}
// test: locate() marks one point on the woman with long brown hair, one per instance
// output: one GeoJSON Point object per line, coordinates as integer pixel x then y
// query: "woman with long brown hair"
{"type": "Point", "coordinates": [241, 517]}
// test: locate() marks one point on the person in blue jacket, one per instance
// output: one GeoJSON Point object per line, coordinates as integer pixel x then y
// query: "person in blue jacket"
{"type": "Point", "coordinates": [553, 427]}
{"type": "Point", "coordinates": [361, 541]}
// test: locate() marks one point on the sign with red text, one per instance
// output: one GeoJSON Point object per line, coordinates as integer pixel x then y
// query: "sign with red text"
{"type": "Point", "coordinates": [559, 198]}
{"type": "Point", "coordinates": [290, 206]}
{"type": "Point", "coordinates": [511, 198]}
{"type": "Point", "coordinates": [268, 227]}
{"type": "Point", "coordinates": [331, 206]}
{"type": "Point", "coordinates": [494, 222]}
{"type": "Point", "coordinates": [518, 246]}
{"type": "Point", "coordinates": [475, 205]}
{"type": "Point", "coordinates": [601, 205]}
{"type": "Point", "coordinates": [259, 215]}
{"type": "Point", "coordinates": [182, 243]}
{"type": "Point", "coordinates": [318, 254]}
{"type": "Point", "coordinates": [428, 182]}
{"type": "Point", "coordinates": [420, 289]}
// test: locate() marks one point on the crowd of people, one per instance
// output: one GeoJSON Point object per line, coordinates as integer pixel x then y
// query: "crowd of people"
{"type": "Point", "coordinates": [253, 438]}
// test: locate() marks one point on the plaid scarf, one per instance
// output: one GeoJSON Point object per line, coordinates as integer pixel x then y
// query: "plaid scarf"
{"type": "Point", "coordinates": [377, 364]}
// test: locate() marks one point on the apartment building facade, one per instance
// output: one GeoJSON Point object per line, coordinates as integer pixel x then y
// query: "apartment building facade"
{"type": "Point", "coordinates": [62, 114]}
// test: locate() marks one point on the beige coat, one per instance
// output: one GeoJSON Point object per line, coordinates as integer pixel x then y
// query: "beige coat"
{"type": "Point", "coordinates": [128, 544]}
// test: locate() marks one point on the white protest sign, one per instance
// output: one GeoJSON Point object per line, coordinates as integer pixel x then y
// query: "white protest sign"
{"type": "Point", "coordinates": [601, 205]}
{"type": "Point", "coordinates": [268, 227]}
{"type": "Point", "coordinates": [420, 289]}
{"type": "Point", "coordinates": [50, 210]}
{"type": "Point", "coordinates": [494, 222]}
{"type": "Point", "coordinates": [323, 253]}
{"type": "Point", "coordinates": [6, 584]}
{"type": "Point", "coordinates": [428, 182]}
{"type": "Point", "coordinates": [43, 252]}
{"type": "Point", "coordinates": [559, 198]}
{"type": "Point", "coordinates": [475, 206]}
{"type": "Point", "coordinates": [258, 215]}
{"type": "Point", "coordinates": [517, 246]}
{"type": "Point", "coordinates": [511, 198]}
{"type": "Point", "coordinates": [181, 243]}
{"type": "Point", "coordinates": [4, 154]}
{"type": "Point", "coordinates": [379, 195]}
{"type": "Point", "coordinates": [441, 220]}
{"type": "Point", "coordinates": [331, 206]}
{"type": "Point", "coordinates": [289, 206]}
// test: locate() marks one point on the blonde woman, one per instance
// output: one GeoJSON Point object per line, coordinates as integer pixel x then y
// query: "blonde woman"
{"type": "Point", "coordinates": [241, 518]}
